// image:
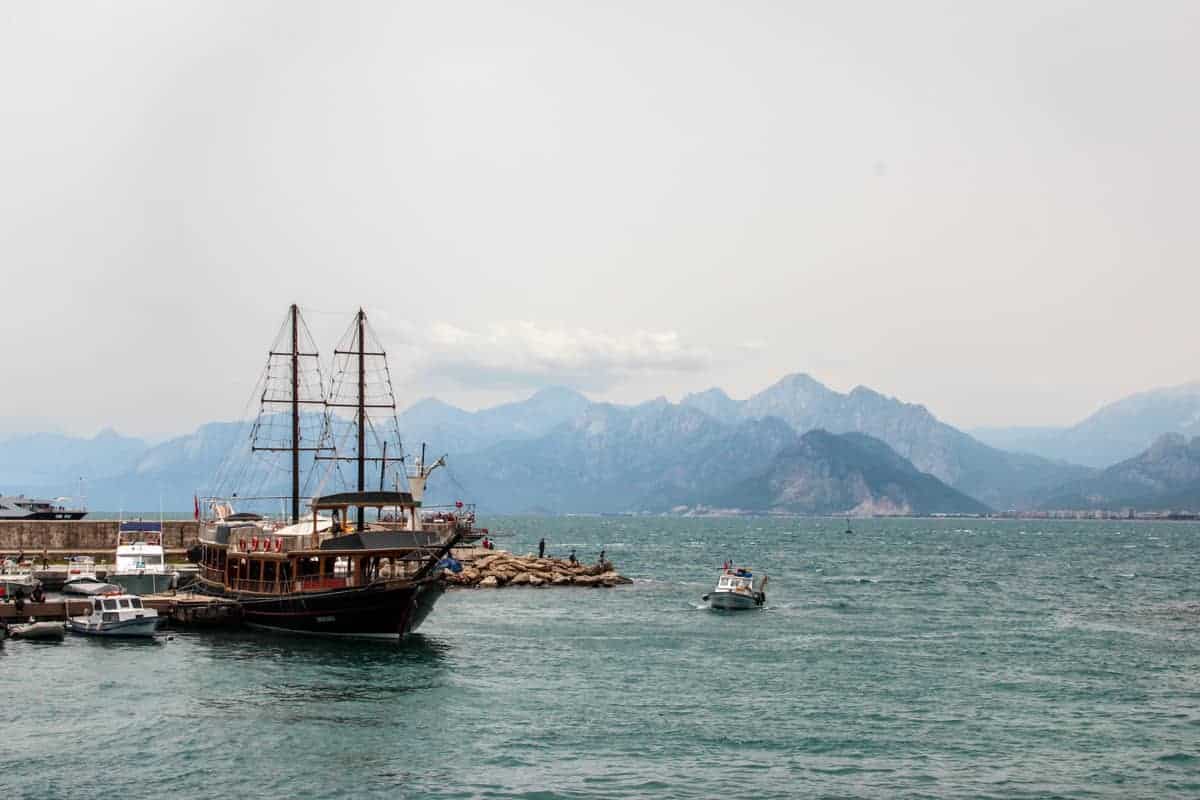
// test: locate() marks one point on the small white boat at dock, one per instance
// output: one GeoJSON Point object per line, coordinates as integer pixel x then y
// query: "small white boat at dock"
{"type": "Point", "coordinates": [736, 589]}
{"type": "Point", "coordinates": [14, 576]}
{"type": "Point", "coordinates": [82, 580]}
{"type": "Point", "coordinates": [117, 615]}
{"type": "Point", "coordinates": [140, 566]}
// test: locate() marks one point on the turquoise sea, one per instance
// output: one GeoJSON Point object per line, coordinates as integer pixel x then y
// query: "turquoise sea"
{"type": "Point", "coordinates": [909, 658]}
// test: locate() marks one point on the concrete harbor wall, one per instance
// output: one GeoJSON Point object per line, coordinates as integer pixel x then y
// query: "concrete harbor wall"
{"type": "Point", "coordinates": [83, 535]}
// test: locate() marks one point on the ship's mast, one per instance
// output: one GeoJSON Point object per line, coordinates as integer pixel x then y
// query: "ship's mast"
{"type": "Point", "coordinates": [275, 393]}
{"type": "Point", "coordinates": [362, 413]}
{"type": "Point", "coordinates": [358, 351]}
{"type": "Point", "coordinates": [295, 414]}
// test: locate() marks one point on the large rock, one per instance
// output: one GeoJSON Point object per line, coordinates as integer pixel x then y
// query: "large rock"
{"type": "Point", "coordinates": [534, 580]}
{"type": "Point", "coordinates": [489, 582]}
{"type": "Point", "coordinates": [521, 580]}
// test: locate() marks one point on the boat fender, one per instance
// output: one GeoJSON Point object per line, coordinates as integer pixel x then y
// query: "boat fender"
{"type": "Point", "coordinates": [253, 543]}
{"type": "Point", "coordinates": [278, 544]}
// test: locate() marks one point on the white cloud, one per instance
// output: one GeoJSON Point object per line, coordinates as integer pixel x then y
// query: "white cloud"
{"type": "Point", "coordinates": [524, 354]}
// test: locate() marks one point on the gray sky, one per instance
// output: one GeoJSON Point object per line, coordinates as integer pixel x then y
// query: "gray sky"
{"type": "Point", "coordinates": [986, 208]}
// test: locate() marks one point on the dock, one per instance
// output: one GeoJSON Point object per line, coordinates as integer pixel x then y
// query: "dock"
{"type": "Point", "coordinates": [189, 608]}
{"type": "Point", "coordinates": [181, 608]}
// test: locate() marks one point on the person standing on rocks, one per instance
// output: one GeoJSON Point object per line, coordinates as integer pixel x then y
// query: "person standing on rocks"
{"type": "Point", "coordinates": [542, 547]}
{"type": "Point", "coordinates": [571, 557]}
{"type": "Point", "coordinates": [601, 556]}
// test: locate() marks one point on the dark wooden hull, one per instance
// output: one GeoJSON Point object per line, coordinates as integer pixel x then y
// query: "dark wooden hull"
{"type": "Point", "coordinates": [55, 515]}
{"type": "Point", "coordinates": [378, 611]}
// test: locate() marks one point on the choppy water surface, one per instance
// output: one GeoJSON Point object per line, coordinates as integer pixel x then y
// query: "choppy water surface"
{"type": "Point", "coordinates": [909, 658]}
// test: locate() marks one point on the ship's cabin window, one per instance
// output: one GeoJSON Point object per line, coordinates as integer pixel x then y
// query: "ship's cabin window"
{"type": "Point", "coordinates": [110, 605]}
{"type": "Point", "coordinates": [124, 602]}
{"type": "Point", "coordinates": [137, 602]}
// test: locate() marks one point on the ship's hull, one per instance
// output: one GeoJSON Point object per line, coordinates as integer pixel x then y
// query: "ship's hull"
{"type": "Point", "coordinates": [55, 515]}
{"type": "Point", "coordinates": [142, 627]}
{"type": "Point", "coordinates": [142, 583]}
{"type": "Point", "coordinates": [379, 611]}
{"type": "Point", "coordinates": [731, 601]}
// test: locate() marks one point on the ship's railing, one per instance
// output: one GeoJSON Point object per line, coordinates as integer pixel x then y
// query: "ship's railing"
{"type": "Point", "coordinates": [211, 573]}
{"type": "Point", "coordinates": [459, 518]}
{"type": "Point", "coordinates": [317, 583]}
{"type": "Point", "coordinates": [262, 587]}
{"type": "Point", "coordinates": [259, 544]}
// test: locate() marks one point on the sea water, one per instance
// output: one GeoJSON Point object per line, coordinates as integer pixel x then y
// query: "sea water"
{"type": "Point", "coordinates": [929, 658]}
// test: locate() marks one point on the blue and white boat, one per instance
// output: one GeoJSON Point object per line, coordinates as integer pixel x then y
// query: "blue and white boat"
{"type": "Point", "coordinates": [141, 564]}
{"type": "Point", "coordinates": [737, 589]}
{"type": "Point", "coordinates": [117, 615]}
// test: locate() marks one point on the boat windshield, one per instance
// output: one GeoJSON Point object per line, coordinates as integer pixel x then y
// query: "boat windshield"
{"type": "Point", "coordinates": [137, 602]}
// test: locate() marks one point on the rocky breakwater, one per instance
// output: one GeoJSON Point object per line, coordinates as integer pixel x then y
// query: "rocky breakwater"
{"type": "Point", "coordinates": [505, 569]}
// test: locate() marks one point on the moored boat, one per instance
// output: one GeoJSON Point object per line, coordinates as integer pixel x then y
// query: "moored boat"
{"type": "Point", "coordinates": [117, 615]}
{"type": "Point", "coordinates": [27, 508]}
{"type": "Point", "coordinates": [41, 631]}
{"type": "Point", "coordinates": [338, 573]}
{"type": "Point", "coordinates": [140, 562]}
{"type": "Point", "coordinates": [82, 580]}
{"type": "Point", "coordinates": [16, 578]}
{"type": "Point", "coordinates": [737, 589]}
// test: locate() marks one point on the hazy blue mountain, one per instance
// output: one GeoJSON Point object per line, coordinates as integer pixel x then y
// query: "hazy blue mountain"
{"type": "Point", "coordinates": [998, 478]}
{"type": "Point", "coordinates": [617, 458]}
{"type": "Point", "coordinates": [824, 473]}
{"type": "Point", "coordinates": [1164, 476]}
{"type": "Point", "coordinates": [715, 403]}
{"type": "Point", "coordinates": [1116, 432]}
{"type": "Point", "coordinates": [557, 451]}
{"type": "Point", "coordinates": [452, 430]}
{"type": "Point", "coordinates": [33, 460]}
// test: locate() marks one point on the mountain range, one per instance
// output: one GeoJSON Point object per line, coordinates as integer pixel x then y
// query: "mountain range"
{"type": "Point", "coordinates": [1116, 432]}
{"type": "Point", "coordinates": [795, 446]}
{"type": "Point", "coordinates": [1164, 476]}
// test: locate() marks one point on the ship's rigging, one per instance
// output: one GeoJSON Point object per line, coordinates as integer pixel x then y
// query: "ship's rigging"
{"type": "Point", "coordinates": [309, 429]}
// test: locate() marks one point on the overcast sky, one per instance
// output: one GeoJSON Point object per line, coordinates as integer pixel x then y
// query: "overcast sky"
{"type": "Point", "coordinates": [988, 208]}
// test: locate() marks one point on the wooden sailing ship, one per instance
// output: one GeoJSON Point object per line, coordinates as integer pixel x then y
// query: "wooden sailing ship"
{"type": "Point", "coordinates": [335, 571]}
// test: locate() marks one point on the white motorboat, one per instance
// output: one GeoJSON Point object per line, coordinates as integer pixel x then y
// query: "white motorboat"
{"type": "Point", "coordinates": [140, 566]}
{"type": "Point", "coordinates": [81, 578]}
{"type": "Point", "coordinates": [14, 576]}
{"type": "Point", "coordinates": [736, 589]}
{"type": "Point", "coordinates": [43, 631]}
{"type": "Point", "coordinates": [117, 615]}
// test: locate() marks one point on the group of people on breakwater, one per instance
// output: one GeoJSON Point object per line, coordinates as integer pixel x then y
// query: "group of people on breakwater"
{"type": "Point", "coordinates": [496, 569]}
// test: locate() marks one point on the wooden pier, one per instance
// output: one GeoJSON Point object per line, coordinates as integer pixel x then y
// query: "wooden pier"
{"type": "Point", "coordinates": [181, 608]}
{"type": "Point", "coordinates": [189, 608]}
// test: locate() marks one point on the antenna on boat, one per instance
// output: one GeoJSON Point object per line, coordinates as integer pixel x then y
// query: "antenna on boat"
{"type": "Point", "coordinates": [419, 475]}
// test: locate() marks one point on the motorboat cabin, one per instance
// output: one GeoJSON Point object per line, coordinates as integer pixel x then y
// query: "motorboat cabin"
{"type": "Point", "coordinates": [737, 589]}
{"type": "Point", "coordinates": [141, 560]}
{"type": "Point", "coordinates": [117, 615]}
